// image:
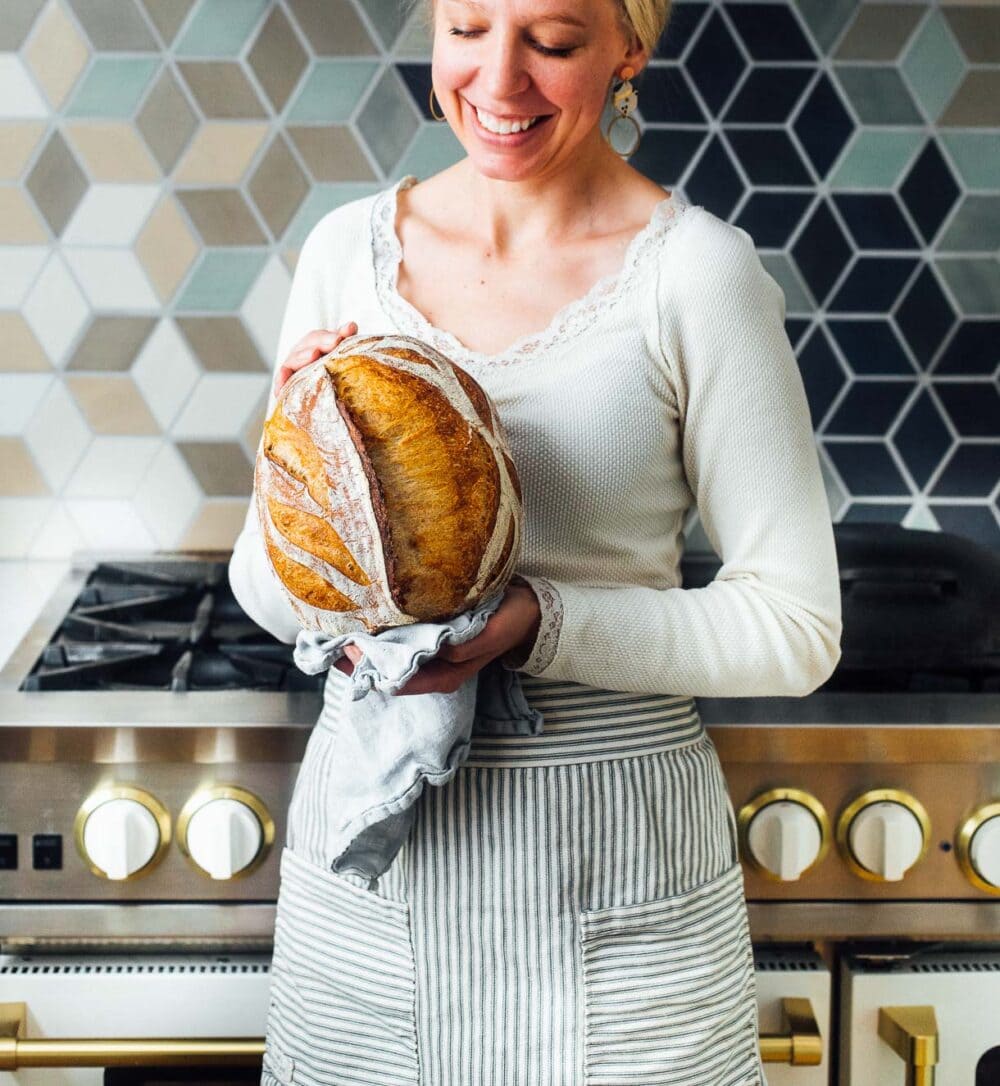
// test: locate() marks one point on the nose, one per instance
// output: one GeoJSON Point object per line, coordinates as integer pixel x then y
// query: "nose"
{"type": "Point", "coordinates": [503, 69]}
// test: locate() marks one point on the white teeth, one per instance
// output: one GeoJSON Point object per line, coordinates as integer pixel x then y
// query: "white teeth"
{"type": "Point", "coordinates": [501, 127]}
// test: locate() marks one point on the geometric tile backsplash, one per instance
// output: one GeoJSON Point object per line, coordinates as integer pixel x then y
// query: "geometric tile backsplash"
{"type": "Point", "coordinates": [161, 162]}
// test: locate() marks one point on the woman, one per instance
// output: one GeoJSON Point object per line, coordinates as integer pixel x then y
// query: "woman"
{"type": "Point", "coordinates": [569, 908]}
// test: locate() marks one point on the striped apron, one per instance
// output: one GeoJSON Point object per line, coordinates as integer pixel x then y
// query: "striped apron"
{"type": "Point", "coordinates": [568, 910]}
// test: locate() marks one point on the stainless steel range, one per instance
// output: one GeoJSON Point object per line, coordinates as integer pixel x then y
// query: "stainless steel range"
{"type": "Point", "coordinates": [150, 736]}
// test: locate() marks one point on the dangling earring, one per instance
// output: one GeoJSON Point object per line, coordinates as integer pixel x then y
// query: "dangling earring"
{"type": "Point", "coordinates": [624, 101]}
{"type": "Point", "coordinates": [436, 116]}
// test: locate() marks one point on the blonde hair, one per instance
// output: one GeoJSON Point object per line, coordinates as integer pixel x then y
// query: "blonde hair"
{"type": "Point", "coordinates": [646, 19]}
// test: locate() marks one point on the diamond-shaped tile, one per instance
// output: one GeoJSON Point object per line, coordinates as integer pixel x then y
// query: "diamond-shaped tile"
{"type": "Point", "coordinates": [111, 278]}
{"type": "Point", "coordinates": [879, 31]}
{"type": "Point", "coordinates": [20, 223]}
{"type": "Point", "coordinates": [972, 351]}
{"type": "Point", "coordinates": [826, 19]}
{"type": "Point", "coordinates": [57, 435]}
{"type": "Point", "coordinates": [18, 18]}
{"type": "Point", "coordinates": [110, 524]}
{"type": "Point", "coordinates": [768, 156]}
{"type": "Point", "coordinates": [56, 54]}
{"type": "Point", "coordinates": [221, 88]}
{"type": "Point", "coordinates": [972, 406]}
{"type": "Point", "coordinates": [332, 153]}
{"type": "Point", "coordinates": [780, 268]}
{"type": "Point", "coordinates": [277, 58]}
{"type": "Point", "coordinates": [21, 393]}
{"type": "Point", "coordinates": [971, 521]}
{"type": "Point", "coordinates": [221, 216]}
{"type": "Point", "coordinates": [263, 308]}
{"type": "Point", "coordinates": [387, 16]}
{"type": "Point", "coordinates": [112, 467]}
{"type": "Point", "coordinates": [869, 408]}
{"type": "Point", "coordinates": [922, 438]}
{"type": "Point", "coordinates": [770, 32]}
{"type": "Point", "coordinates": [388, 120]}
{"type": "Point", "coordinates": [867, 468]}
{"type": "Point", "coordinates": [771, 218]}
{"type": "Point", "coordinates": [715, 62]}
{"type": "Point", "coordinates": [667, 97]}
{"type": "Point", "coordinates": [875, 221]}
{"type": "Point", "coordinates": [18, 140]}
{"type": "Point", "coordinates": [21, 518]}
{"type": "Point", "coordinates": [167, 16]}
{"type": "Point", "coordinates": [822, 375]}
{"type": "Point", "coordinates": [22, 353]}
{"type": "Point", "coordinates": [924, 316]}
{"type": "Point", "coordinates": [112, 27]}
{"type": "Point", "coordinates": [976, 103]}
{"type": "Point", "coordinates": [219, 406]}
{"type": "Point", "coordinates": [878, 94]}
{"type": "Point", "coordinates": [111, 151]}
{"type": "Point", "coordinates": [332, 28]}
{"type": "Point", "coordinates": [112, 404]}
{"type": "Point", "coordinates": [219, 28]}
{"type": "Point", "coordinates": [977, 30]}
{"type": "Point", "coordinates": [664, 154]}
{"type": "Point", "coordinates": [876, 158]}
{"type": "Point", "coordinates": [331, 90]}
{"type": "Point", "coordinates": [216, 525]}
{"type": "Point", "coordinates": [417, 80]}
{"type": "Point", "coordinates": [974, 282]}
{"type": "Point", "coordinates": [221, 279]}
{"type": "Point", "coordinates": [111, 214]}
{"type": "Point", "coordinates": [682, 25]}
{"type": "Point", "coordinates": [221, 344]}
{"type": "Point", "coordinates": [222, 468]}
{"type": "Point", "coordinates": [416, 36]}
{"type": "Point", "coordinates": [714, 182]}
{"type": "Point", "coordinates": [278, 186]}
{"type": "Point", "coordinates": [112, 86]}
{"type": "Point", "coordinates": [934, 65]}
{"type": "Point", "coordinates": [929, 190]}
{"type": "Point", "coordinates": [166, 120]}
{"type": "Point", "coordinates": [55, 291]}
{"type": "Point", "coordinates": [821, 251]}
{"type": "Point", "coordinates": [868, 512]}
{"type": "Point", "coordinates": [873, 284]}
{"type": "Point", "coordinates": [768, 95]}
{"type": "Point", "coordinates": [166, 248]}
{"type": "Point", "coordinates": [975, 226]}
{"type": "Point", "coordinates": [823, 125]}
{"type": "Point", "coordinates": [19, 474]}
{"type": "Point", "coordinates": [972, 471]}
{"type": "Point", "coordinates": [56, 182]}
{"type": "Point", "coordinates": [18, 93]}
{"type": "Point", "coordinates": [220, 153]}
{"type": "Point", "coordinates": [111, 344]}
{"type": "Point", "coordinates": [975, 157]}
{"type": "Point", "coordinates": [165, 373]}
{"type": "Point", "coordinates": [870, 347]}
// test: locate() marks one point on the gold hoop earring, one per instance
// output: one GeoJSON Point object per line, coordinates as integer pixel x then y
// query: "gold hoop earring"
{"type": "Point", "coordinates": [624, 100]}
{"type": "Point", "coordinates": [436, 117]}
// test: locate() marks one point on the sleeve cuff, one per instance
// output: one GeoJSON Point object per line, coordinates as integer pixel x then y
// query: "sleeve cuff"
{"type": "Point", "coordinates": [544, 649]}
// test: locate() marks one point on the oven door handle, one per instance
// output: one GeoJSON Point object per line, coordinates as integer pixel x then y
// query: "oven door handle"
{"type": "Point", "coordinates": [912, 1033]}
{"type": "Point", "coordinates": [800, 1044]}
{"type": "Point", "coordinates": [17, 1051]}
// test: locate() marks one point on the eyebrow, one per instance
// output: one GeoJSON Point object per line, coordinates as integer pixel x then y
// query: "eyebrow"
{"type": "Point", "coordinates": [566, 17]}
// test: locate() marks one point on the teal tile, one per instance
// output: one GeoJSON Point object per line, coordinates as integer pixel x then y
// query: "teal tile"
{"type": "Point", "coordinates": [219, 28]}
{"type": "Point", "coordinates": [416, 41]}
{"type": "Point", "coordinates": [876, 158]}
{"type": "Point", "coordinates": [976, 156]}
{"type": "Point", "coordinates": [388, 120]}
{"type": "Point", "coordinates": [877, 94]}
{"type": "Point", "coordinates": [113, 86]}
{"type": "Point", "coordinates": [331, 90]}
{"type": "Point", "coordinates": [435, 148]}
{"type": "Point", "coordinates": [387, 16]}
{"type": "Point", "coordinates": [975, 282]}
{"type": "Point", "coordinates": [797, 299]}
{"type": "Point", "coordinates": [321, 199]}
{"type": "Point", "coordinates": [221, 280]}
{"type": "Point", "coordinates": [934, 65]}
{"type": "Point", "coordinates": [826, 19]}
{"type": "Point", "coordinates": [975, 226]}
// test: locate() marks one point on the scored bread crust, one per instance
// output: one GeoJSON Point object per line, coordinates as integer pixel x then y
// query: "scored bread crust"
{"type": "Point", "coordinates": [400, 454]}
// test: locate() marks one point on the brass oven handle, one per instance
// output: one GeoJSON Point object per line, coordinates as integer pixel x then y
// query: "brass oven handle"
{"type": "Point", "coordinates": [802, 1044]}
{"type": "Point", "coordinates": [912, 1033]}
{"type": "Point", "coordinates": [17, 1052]}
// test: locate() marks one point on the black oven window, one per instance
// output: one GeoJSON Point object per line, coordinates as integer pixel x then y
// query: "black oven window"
{"type": "Point", "coordinates": [181, 1076]}
{"type": "Point", "coordinates": [988, 1068]}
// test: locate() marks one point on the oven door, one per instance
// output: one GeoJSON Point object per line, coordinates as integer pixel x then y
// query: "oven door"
{"type": "Point", "coordinates": [784, 975]}
{"type": "Point", "coordinates": [103, 1004]}
{"type": "Point", "coordinates": [921, 1015]}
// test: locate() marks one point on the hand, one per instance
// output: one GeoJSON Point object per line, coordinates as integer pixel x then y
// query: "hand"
{"type": "Point", "coordinates": [514, 624]}
{"type": "Point", "coordinates": [310, 347]}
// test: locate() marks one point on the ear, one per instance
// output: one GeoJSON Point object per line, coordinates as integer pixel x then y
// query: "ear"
{"type": "Point", "coordinates": [636, 57]}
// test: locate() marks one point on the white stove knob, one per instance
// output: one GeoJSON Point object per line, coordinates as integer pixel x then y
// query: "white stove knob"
{"type": "Point", "coordinates": [784, 838]}
{"type": "Point", "coordinates": [121, 831]}
{"type": "Point", "coordinates": [885, 833]}
{"type": "Point", "coordinates": [223, 837]}
{"type": "Point", "coordinates": [978, 842]}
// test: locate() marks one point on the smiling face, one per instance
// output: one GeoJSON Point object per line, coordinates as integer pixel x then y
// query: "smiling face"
{"type": "Point", "coordinates": [523, 82]}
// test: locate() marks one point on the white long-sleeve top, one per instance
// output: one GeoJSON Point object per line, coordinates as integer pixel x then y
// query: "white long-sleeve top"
{"type": "Point", "coordinates": [671, 383]}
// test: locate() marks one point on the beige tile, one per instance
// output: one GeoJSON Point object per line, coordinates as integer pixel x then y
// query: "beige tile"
{"type": "Point", "coordinates": [18, 139]}
{"type": "Point", "coordinates": [978, 31]}
{"type": "Point", "coordinates": [20, 223]}
{"type": "Point", "coordinates": [331, 153]}
{"type": "Point", "coordinates": [57, 53]}
{"type": "Point", "coordinates": [111, 151]}
{"type": "Point", "coordinates": [112, 343]}
{"type": "Point", "coordinates": [220, 153]}
{"type": "Point", "coordinates": [221, 467]}
{"type": "Point", "coordinates": [216, 525]}
{"type": "Point", "coordinates": [21, 352]}
{"type": "Point", "coordinates": [278, 186]}
{"type": "Point", "coordinates": [333, 27]}
{"type": "Point", "coordinates": [879, 31]}
{"type": "Point", "coordinates": [976, 103]}
{"type": "Point", "coordinates": [254, 428]}
{"type": "Point", "coordinates": [221, 88]}
{"type": "Point", "coordinates": [166, 248]}
{"type": "Point", "coordinates": [56, 182]}
{"type": "Point", "coordinates": [112, 405]}
{"type": "Point", "coordinates": [277, 58]}
{"type": "Point", "coordinates": [221, 344]}
{"type": "Point", "coordinates": [19, 474]}
{"type": "Point", "coordinates": [167, 15]}
{"type": "Point", "coordinates": [221, 216]}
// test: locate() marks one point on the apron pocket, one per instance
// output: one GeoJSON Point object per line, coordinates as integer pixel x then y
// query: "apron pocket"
{"type": "Point", "coordinates": [343, 983]}
{"type": "Point", "coordinates": [669, 992]}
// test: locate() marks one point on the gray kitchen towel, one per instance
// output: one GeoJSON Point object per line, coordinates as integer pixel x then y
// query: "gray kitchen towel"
{"type": "Point", "coordinates": [386, 747]}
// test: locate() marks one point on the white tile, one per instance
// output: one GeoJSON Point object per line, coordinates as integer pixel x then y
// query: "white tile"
{"type": "Point", "coordinates": [57, 435]}
{"type": "Point", "coordinates": [20, 394]}
{"type": "Point", "coordinates": [220, 406]}
{"type": "Point", "coordinates": [56, 309]}
{"type": "Point", "coordinates": [168, 496]}
{"type": "Point", "coordinates": [110, 214]}
{"type": "Point", "coordinates": [19, 267]}
{"type": "Point", "coordinates": [921, 517]}
{"type": "Point", "coordinates": [25, 588]}
{"type": "Point", "coordinates": [20, 519]}
{"type": "Point", "coordinates": [19, 97]}
{"type": "Point", "coordinates": [165, 372]}
{"type": "Point", "coordinates": [58, 536]}
{"type": "Point", "coordinates": [110, 525]}
{"type": "Point", "coordinates": [112, 278]}
{"type": "Point", "coordinates": [112, 467]}
{"type": "Point", "coordinates": [264, 307]}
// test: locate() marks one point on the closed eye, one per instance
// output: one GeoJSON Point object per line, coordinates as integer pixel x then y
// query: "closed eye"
{"type": "Point", "coordinates": [546, 50]}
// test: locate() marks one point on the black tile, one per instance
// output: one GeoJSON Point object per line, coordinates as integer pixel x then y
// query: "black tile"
{"type": "Point", "coordinates": [875, 221]}
{"type": "Point", "coordinates": [929, 190]}
{"type": "Point", "coordinates": [972, 406]}
{"type": "Point", "coordinates": [768, 156]}
{"type": "Point", "coordinates": [684, 21]}
{"type": "Point", "coordinates": [770, 32]}
{"type": "Point", "coordinates": [665, 97]}
{"type": "Point", "coordinates": [972, 471]}
{"type": "Point", "coordinates": [866, 468]}
{"type": "Point", "coordinates": [873, 284]}
{"type": "Point", "coordinates": [664, 154]}
{"type": "Point", "coordinates": [975, 522]}
{"type": "Point", "coordinates": [823, 125]}
{"type": "Point", "coordinates": [417, 79]}
{"type": "Point", "coordinates": [821, 252]}
{"type": "Point", "coordinates": [715, 62]}
{"type": "Point", "coordinates": [768, 95]}
{"type": "Point", "coordinates": [925, 316]}
{"type": "Point", "coordinates": [974, 349]}
{"type": "Point", "coordinates": [796, 328]}
{"type": "Point", "coordinates": [869, 408]}
{"type": "Point", "coordinates": [870, 346]}
{"type": "Point", "coordinates": [875, 513]}
{"type": "Point", "coordinates": [770, 218]}
{"type": "Point", "coordinates": [922, 439]}
{"type": "Point", "coordinates": [822, 376]}
{"type": "Point", "coordinates": [714, 182]}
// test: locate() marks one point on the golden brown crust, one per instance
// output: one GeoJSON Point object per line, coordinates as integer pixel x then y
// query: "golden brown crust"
{"type": "Point", "coordinates": [293, 450]}
{"type": "Point", "coordinates": [306, 585]}
{"type": "Point", "coordinates": [316, 536]}
{"type": "Point", "coordinates": [476, 396]}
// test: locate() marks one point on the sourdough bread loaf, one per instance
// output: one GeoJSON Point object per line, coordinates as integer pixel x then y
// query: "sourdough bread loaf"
{"type": "Point", "coordinates": [385, 489]}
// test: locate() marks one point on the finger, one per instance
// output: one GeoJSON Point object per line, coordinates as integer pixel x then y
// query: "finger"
{"type": "Point", "coordinates": [345, 666]}
{"type": "Point", "coordinates": [310, 348]}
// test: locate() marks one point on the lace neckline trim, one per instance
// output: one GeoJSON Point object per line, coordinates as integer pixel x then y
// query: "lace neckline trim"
{"type": "Point", "coordinates": [568, 321]}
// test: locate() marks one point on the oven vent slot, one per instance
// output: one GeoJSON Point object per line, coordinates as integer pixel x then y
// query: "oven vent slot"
{"type": "Point", "coordinates": [962, 965]}
{"type": "Point", "coordinates": [787, 959]}
{"type": "Point", "coordinates": [794, 965]}
{"type": "Point", "coordinates": [108, 969]}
